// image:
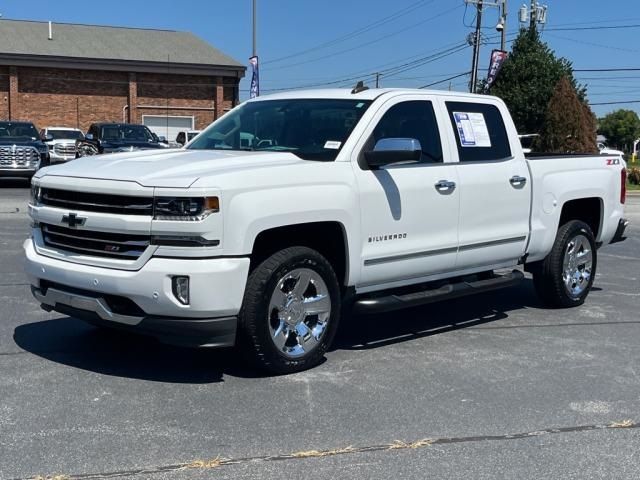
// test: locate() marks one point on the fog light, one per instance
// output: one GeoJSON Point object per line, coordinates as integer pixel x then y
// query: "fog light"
{"type": "Point", "coordinates": [180, 288]}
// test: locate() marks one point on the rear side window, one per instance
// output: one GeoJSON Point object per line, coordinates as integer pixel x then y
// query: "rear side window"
{"type": "Point", "coordinates": [480, 131]}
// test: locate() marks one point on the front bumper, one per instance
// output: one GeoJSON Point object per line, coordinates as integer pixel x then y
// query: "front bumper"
{"type": "Point", "coordinates": [143, 300]}
{"type": "Point", "coordinates": [17, 172]}
{"type": "Point", "coordinates": [57, 158]}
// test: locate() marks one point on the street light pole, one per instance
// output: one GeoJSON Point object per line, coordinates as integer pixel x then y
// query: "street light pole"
{"type": "Point", "coordinates": [255, 50]}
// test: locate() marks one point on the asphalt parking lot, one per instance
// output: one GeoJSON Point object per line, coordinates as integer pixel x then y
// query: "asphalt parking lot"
{"type": "Point", "coordinates": [492, 386]}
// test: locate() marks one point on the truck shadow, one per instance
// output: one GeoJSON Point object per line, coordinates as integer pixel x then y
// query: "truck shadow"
{"type": "Point", "coordinates": [72, 342]}
{"type": "Point", "coordinates": [375, 331]}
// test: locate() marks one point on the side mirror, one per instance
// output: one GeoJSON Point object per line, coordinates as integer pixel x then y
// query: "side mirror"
{"type": "Point", "coordinates": [48, 137]}
{"type": "Point", "coordinates": [393, 150]}
{"type": "Point", "coordinates": [88, 136]}
{"type": "Point", "coordinates": [162, 139]}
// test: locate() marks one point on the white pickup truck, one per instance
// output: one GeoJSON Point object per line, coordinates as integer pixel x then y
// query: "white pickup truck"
{"type": "Point", "coordinates": [290, 207]}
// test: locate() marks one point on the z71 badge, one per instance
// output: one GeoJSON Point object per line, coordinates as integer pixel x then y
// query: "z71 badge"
{"type": "Point", "coordinates": [613, 161]}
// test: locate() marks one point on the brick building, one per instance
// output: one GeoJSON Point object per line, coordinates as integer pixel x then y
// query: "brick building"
{"type": "Point", "coordinates": [74, 75]}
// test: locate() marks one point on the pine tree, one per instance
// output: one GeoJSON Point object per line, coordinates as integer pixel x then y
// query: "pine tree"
{"type": "Point", "coordinates": [528, 78]}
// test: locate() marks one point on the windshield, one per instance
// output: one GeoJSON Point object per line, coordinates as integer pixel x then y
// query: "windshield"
{"type": "Point", "coordinates": [312, 129]}
{"type": "Point", "coordinates": [18, 132]}
{"type": "Point", "coordinates": [65, 134]}
{"type": "Point", "coordinates": [126, 133]}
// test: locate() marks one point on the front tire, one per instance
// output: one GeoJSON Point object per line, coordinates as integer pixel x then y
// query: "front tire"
{"type": "Point", "coordinates": [290, 311]}
{"type": "Point", "coordinates": [565, 277]}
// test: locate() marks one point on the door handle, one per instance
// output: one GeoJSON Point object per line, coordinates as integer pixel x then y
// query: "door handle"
{"type": "Point", "coordinates": [445, 186]}
{"type": "Point", "coordinates": [517, 181]}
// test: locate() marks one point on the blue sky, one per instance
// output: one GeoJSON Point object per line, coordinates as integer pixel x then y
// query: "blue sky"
{"type": "Point", "coordinates": [303, 42]}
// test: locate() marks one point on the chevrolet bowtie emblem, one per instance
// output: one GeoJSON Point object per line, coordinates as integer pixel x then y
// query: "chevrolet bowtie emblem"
{"type": "Point", "coordinates": [73, 220]}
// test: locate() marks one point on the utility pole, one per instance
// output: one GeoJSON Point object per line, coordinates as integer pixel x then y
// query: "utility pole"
{"type": "Point", "coordinates": [532, 14]}
{"type": "Point", "coordinates": [377, 80]}
{"type": "Point", "coordinates": [476, 50]}
{"type": "Point", "coordinates": [255, 50]}
{"type": "Point", "coordinates": [503, 22]}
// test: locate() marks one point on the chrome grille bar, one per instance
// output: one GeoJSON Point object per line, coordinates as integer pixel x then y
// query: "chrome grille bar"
{"type": "Point", "coordinates": [97, 202]}
{"type": "Point", "coordinates": [99, 244]}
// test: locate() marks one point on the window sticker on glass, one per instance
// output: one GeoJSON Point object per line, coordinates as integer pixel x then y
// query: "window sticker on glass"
{"type": "Point", "coordinates": [472, 129]}
{"type": "Point", "coordinates": [332, 144]}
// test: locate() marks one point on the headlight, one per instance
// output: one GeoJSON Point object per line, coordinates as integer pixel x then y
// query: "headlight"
{"type": "Point", "coordinates": [184, 208]}
{"type": "Point", "coordinates": [36, 194]}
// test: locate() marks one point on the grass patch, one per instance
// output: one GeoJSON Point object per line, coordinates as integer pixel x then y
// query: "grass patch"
{"type": "Point", "coordinates": [633, 187]}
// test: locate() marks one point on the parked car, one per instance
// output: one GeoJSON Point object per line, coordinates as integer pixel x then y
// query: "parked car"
{"type": "Point", "coordinates": [116, 137]}
{"type": "Point", "coordinates": [375, 200]}
{"type": "Point", "coordinates": [22, 151]}
{"type": "Point", "coordinates": [186, 136]}
{"type": "Point", "coordinates": [62, 143]}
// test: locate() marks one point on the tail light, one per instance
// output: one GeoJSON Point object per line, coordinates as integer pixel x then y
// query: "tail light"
{"type": "Point", "coordinates": [623, 185]}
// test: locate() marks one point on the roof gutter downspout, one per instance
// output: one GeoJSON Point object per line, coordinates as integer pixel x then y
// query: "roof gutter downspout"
{"type": "Point", "coordinates": [124, 113]}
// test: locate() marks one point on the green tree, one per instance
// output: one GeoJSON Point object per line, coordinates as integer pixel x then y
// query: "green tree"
{"type": "Point", "coordinates": [569, 124]}
{"type": "Point", "coordinates": [621, 128]}
{"type": "Point", "coordinates": [528, 78]}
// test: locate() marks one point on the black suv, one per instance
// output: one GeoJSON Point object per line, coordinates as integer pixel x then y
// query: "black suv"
{"type": "Point", "coordinates": [22, 151]}
{"type": "Point", "coordinates": [116, 137]}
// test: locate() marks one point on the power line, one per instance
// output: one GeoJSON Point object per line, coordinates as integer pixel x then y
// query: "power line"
{"type": "Point", "coordinates": [616, 103]}
{"type": "Point", "coordinates": [445, 80]}
{"type": "Point", "coordinates": [623, 69]}
{"type": "Point", "coordinates": [366, 44]}
{"type": "Point", "coordinates": [558, 29]}
{"type": "Point", "coordinates": [357, 32]}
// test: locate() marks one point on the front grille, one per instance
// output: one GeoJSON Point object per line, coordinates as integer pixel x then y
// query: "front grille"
{"type": "Point", "coordinates": [97, 244]}
{"type": "Point", "coordinates": [19, 157]}
{"type": "Point", "coordinates": [97, 202]}
{"type": "Point", "coordinates": [65, 149]}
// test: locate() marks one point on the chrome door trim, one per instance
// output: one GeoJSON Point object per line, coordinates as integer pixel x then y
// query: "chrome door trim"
{"type": "Point", "coordinates": [409, 256]}
{"type": "Point", "coordinates": [492, 243]}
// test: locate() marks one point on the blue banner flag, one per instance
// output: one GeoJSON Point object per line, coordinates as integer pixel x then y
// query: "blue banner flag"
{"type": "Point", "coordinates": [254, 90]}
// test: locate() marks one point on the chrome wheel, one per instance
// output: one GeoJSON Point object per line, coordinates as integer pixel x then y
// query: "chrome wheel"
{"type": "Point", "coordinates": [299, 312]}
{"type": "Point", "coordinates": [577, 265]}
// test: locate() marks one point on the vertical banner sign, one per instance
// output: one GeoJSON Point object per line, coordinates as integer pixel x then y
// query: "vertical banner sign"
{"type": "Point", "coordinates": [254, 90]}
{"type": "Point", "coordinates": [497, 59]}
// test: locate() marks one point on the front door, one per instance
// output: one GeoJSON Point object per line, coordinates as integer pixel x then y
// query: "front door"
{"type": "Point", "coordinates": [409, 211]}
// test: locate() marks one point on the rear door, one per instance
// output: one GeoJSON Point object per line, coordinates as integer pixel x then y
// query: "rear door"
{"type": "Point", "coordinates": [495, 184]}
{"type": "Point", "coordinates": [409, 223]}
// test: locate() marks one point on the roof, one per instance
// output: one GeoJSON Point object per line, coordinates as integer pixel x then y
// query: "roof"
{"type": "Point", "coordinates": [76, 41]}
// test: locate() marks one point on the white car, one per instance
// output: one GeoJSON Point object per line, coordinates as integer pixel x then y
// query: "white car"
{"type": "Point", "coordinates": [292, 207]}
{"type": "Point", "coordinates": [186, 136]}
{"type": "Point", "coordinates": [61, 142]}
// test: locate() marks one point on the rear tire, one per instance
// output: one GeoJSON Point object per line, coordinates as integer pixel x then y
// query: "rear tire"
{"type": "Point", "coordinates": [290, 311]}
{"type": "Point", "coordinates": [565, 277]}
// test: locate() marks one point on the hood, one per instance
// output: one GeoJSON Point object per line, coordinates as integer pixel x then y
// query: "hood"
{"type": "Point", "coordinates": [172, 169]}
{"type": "Point", "coordinates": [22, 143]}
{"type": "Point", "coordinates": [142, 145]}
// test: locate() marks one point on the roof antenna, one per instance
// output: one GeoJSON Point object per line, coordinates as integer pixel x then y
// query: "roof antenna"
{"type": "Point", "coordinates": [359, 87]}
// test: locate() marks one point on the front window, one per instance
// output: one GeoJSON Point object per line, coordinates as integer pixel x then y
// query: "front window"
{"type": "Point", "coordinates": [17, 132]}
{"type": "Point", "coordinates": [312, 129]}
{"type": "Point", "coordinates": [66, 134]}
{"type": "Point", "coordinates": [126, 133]}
